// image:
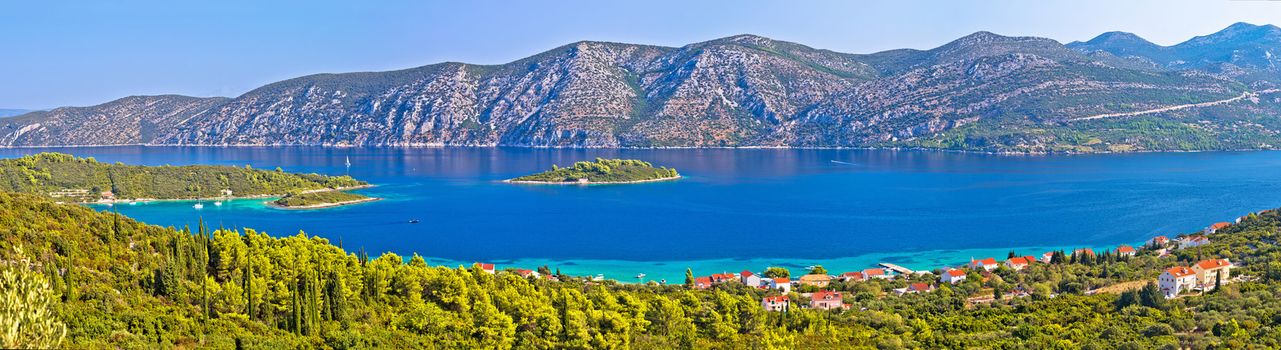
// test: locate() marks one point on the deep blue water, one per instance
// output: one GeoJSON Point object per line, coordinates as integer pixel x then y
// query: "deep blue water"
{"type": "Point", "coordinates": [735, 209]}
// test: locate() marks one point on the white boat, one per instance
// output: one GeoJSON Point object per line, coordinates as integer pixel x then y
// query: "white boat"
{"type": "Point", "coordinates": [217, 204]}
{"type": "Point", "coordinates": [600, 277]}
{"type": "Point", "coordinates": [110, 205]}
{"type": "Point", "coordinates": [640, 275]}
{"type": "Point", "coordinates": [133, 203]}
{"type": "Point", "coordinates": [198, 206]}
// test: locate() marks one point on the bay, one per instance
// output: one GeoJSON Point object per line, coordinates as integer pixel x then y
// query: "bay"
{"type": "Point", "coordinates": [735, 209]}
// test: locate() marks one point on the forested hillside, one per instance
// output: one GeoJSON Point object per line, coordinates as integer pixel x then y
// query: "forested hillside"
{"type": "Point", "coordinates": [68, 178]}
{"type": "Point", "coordinates": [120, 283]}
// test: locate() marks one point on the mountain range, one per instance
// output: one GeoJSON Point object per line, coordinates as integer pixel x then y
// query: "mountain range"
{"type": "Point", "coordinates": [982, 92]}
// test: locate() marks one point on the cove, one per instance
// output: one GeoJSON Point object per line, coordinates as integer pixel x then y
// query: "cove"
{"type": "Point", "coordinates": [734, 209]}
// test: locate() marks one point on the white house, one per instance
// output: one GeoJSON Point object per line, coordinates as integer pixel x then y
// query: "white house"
{"type": "Point", "coordinates": [488, 268]}
{"type": "Point", "coordinates": [1125, 250]}
{"type": "Point", "coordinates": [826, 300]}
{"type": "Point", "coordinates": [1045, 258]}
{"type": "Point", "coordinates": [877, 273]}
{"type": "Point", "coordinates": [778, 303]}
{"type": "Point", "coordinates": [952, 276]}
{"type": "Point", "coordinates": [1019, 262]}
{"type": "Point", "coordinates": [852, 276]}
{"type": "Point", "coordinates": [1193, 241]}
{"type": "Point", "coordinates": [749, 279]}
{"type": "Point", "coordinates": [1177, 280]}
{"type": "Point", "coordinates": [782, 284]}
{"type": "Point", "coordinates": [986, 264]}
{"type": "Point", "coordinates": [1216, 227]}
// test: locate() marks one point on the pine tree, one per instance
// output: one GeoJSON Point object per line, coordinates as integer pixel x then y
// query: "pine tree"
{"type": "Point", "coordinates": [689, 277]}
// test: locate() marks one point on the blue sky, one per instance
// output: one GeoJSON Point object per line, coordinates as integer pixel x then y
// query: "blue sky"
{"type": "Point", "coordinates": [58, 53]}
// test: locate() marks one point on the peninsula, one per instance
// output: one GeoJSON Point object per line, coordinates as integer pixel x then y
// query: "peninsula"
{"type": "Point", "coordinates": [602, 171]}
{"type": "Point", "coordinates": [66, 178]}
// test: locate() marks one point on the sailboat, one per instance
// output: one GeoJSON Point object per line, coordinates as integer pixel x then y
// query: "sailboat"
{"type": "Point", "coordinates": [198, 206]}
{"type": "Point", "coordinates": [348, 161]}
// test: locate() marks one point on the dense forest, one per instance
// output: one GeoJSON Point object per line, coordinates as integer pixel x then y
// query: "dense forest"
{"type": "Point", "coordinates": [69, 178]}
{"type": "Point", "coordinates": [603, 171]}
{"type": "Point", "coordinates": [100, 280]}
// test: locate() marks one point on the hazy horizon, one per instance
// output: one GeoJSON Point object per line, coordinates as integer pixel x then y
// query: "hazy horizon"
{"type": "Point", "coordinates": [86, 53]}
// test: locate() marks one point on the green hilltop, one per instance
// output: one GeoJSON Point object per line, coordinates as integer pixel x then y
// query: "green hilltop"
{"type": "Point", "coordinates": [603, 171]}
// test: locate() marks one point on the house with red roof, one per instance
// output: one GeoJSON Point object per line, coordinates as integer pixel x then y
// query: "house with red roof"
{"type": "Point", "coordinates": [489, 268]}
{"type": "Point", "coordinates": [915, 288]}
{"type": "Point", "coordinates": [702, 282]}
{"type": "Point", "coordinates": [987, 264]}
{"type": "Point", "coordinates": [826, 300]}
{"type": "Point", "coordinates": [1125, 250]}
{"type": "Point", "coordinates": [952, 276]}
{"type": "Point", "coordinates": [749, 278]}
{"type": "Point", "coordinates": [877, 273]}
{"type": "Point", "coordinates": [1216, 227]}
{"type": "Point", "coordinates": [1045, 258]}
{"type": "Point", "coordinates": [1176, 280]}
{"type": "Point", "coordinates": [852, 276]}
{"type": "Point", "coordinates": [1159, 241]}
{"type": "Point", "coordinates": [778, 303]}
{"type": "Point", "coordinates": [781, 283]}
{"type": "Point", "coordinates": [1083, 252]}
{"type": "Point", "coordinates": [1019, 262]}
{"type": "Point", "coordinates": [526, 273]}
{"type": "Point", "coordinates": [1209, 271]}
{"type": "Point", "coordinates": [718, 278]}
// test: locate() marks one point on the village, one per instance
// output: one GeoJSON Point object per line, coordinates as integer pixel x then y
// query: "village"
{"type": "Point", "coordinates": [815, 292]}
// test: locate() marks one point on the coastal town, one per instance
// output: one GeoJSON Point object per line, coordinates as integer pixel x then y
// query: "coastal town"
{"type": "Point", "coordinates": [815, 289]}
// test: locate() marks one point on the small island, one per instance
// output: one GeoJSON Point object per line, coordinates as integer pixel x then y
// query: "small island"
{"type": "Point", "coordinates": [318, 199]}
{"type": "Point", "coordinates": [602, 171]}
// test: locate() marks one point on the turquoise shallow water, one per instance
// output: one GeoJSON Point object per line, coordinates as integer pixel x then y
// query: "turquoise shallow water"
{"type": "Point", "coordinates": [735, 209]}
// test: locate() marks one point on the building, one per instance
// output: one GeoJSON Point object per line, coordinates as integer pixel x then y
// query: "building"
{"type": "Point", "coordinates": [782, 284]}
{"type": "Point", "coordinates": [702, 282]}
{"type": "Point", "coordinates": [877, 273]}
{"type": "Point", "coordinates": [1176, 280]}
{"type": "Point", "coordinates": [1045, 258]}
{"type": "Point", "coordinates": [1193, 241]}
{"type": "Point", "coordinates": [749, 279]}
{"type": "Point", "coordinates": [1019, 262]}
{"type": "Point", "coordinates": [488, 268]}
{"type": "Point", "coordinates": [1159, 241]}
{"type": "Point", "coordinates": [1210, 271]}
{"type": "Point", "coordinates": [107, 195]}
{"type": "Point", "coordinates": [988, 264]}
{"type": "Point", "coordinates": [777, 303]}
{"type": "Point", "coordinates": [816, 280]}
{"type": "Point", "coordinates": [1083, 252]}
{"type": "Point", "coordinates": [1125, 250]}
{"type": "Point", "coordinates": [718, 278]}
{"type": "Point", "coordinates": [526, 273]}
{"type": "Point", "coordinates": [1216, 227]}
{"type": "Point", "coordinates": [952, 276]}
{"type": "Point", "coordinates": [852, 276]}
{"type": "Point", "coordinates": [826, 300]}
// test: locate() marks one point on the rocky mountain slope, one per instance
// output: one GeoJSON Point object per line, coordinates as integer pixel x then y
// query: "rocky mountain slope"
{"type": "Point", "coordinates": [982, 92]}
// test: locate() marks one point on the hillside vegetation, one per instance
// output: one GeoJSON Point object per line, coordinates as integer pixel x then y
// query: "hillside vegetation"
{"type": "Point", "coordinates": [603, 171]}
{"type": "Point", "coordinates": [119, 283]}
{"type": "Point", "coordinates": [68, 178]}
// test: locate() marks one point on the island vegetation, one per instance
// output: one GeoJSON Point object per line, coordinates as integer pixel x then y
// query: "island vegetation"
{"type": "Point", "coordinates": [100, 280]}
{"type": "Point", "coordinates": [70, 179]}
{"type": "Point", "coordinates": [602, 171]}
{"type": "Point", "coordinates": [319, 199]}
